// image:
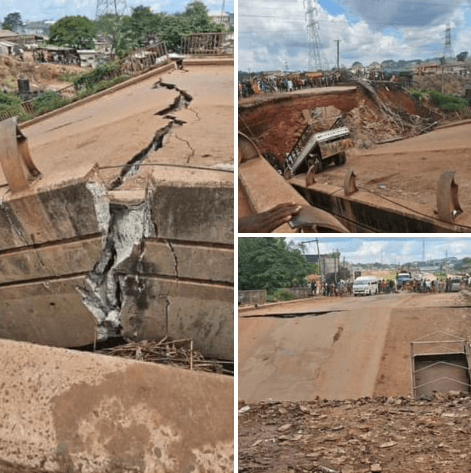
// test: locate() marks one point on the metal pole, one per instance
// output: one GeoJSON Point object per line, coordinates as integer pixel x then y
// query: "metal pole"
{"type": "Point", "coordinates": [338, 52]}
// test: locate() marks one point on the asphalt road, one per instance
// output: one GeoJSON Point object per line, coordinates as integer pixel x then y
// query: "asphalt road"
{"type": "Point", "coordinates": [340, 348]}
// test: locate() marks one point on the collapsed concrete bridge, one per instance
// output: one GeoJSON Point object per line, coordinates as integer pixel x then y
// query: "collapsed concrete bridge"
{"type": "Point", "coordinates": [122, 227]}
{"type": "Point", "coordinates": [130, 229]}
{"type": "Point", "coordinates": [405, 181]}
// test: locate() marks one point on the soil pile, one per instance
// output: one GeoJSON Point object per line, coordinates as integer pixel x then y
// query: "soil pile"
{"type": "Point", "coordinates": [41, 76]}
{"type": "Point", "coordinates": [388, 434]}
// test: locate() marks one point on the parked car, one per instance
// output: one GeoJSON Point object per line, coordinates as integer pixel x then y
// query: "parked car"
{"type": "Point", "coordinates": [365, 285]}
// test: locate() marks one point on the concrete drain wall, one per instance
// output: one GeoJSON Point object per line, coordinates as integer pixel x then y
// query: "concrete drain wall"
{"type": "Point", "coordinates": [441, 373]}
{"type": "Point", "coordinates": [440, 364]}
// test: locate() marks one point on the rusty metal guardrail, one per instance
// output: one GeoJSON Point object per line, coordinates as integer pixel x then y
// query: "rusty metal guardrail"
{"type": "Point", "coordinates": [142, 59]}
{"type": "Point", "coordinates": [208, 44]}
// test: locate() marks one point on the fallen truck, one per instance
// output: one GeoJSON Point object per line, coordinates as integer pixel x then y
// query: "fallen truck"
{"type": "Point", "coordinates": [315, 151]}
{"type": "Point", "coordinates": [260, 186]}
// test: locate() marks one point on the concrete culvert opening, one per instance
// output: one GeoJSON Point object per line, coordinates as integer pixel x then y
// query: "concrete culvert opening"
{"type": "Point", "coordinates": [440, 364]}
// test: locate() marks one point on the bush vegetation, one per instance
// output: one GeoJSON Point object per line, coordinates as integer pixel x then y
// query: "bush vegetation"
{"type": "Point", "coordinates": [447, 102]}
{"type": "Point", "coordinates": [283, 295]}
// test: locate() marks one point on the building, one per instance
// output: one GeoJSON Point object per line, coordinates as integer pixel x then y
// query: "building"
{"type": "Point", "coordinates": [92, 57]}
{"type": "Point", "coordinates": [7, 48]}
{"type": "Point", "coordinates": [222, 19]}
{"type": "Point", "coordinates": [56, 54]}
{"type": "Point", "coordinates": [331, 267]}
{"type": "Point", "coordinates": [20, 39]}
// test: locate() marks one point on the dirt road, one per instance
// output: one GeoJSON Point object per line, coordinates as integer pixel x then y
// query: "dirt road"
{"type": "Point", "coordinates": [339, 348]}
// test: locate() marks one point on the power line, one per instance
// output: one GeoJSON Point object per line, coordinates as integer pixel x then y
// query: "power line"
{"type": "Point", "coordinates": [110, 7]}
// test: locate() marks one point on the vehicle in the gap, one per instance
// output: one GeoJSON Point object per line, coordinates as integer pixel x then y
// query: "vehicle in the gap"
{"type": "Point", "coordinates": [316, 151]}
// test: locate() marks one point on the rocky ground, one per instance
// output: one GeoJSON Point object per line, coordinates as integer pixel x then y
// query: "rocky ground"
{"type": "Point", "coordinates": [384, 434]}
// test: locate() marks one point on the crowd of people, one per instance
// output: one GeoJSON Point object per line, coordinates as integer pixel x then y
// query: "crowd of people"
{"type": "Point", "coordinates": [389, 286]}
{"type": "Point", "coordinates": [266, 85]}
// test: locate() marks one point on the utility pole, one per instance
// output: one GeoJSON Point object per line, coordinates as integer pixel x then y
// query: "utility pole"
{"type": "Point", "coordinates": [316, 59]}
{"type": "Point", "coordinates": [338, 52]}
{"type": "Point", "coordinates": [448, 54]}
{"type": "Point", "coordinates": [319, 266]}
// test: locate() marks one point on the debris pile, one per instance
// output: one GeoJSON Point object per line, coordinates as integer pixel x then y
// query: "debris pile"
{"type": "Point", "coordinates": [179, 353]}
{"type": "Point", "coordinates": [388, 434]}
{"type": "Point", "coordinates": [378, 119]}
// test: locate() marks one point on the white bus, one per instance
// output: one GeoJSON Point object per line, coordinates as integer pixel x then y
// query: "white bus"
{"type": "Point", "coordinates": [366, 285]}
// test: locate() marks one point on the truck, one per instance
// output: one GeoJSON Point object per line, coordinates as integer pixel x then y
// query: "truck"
{"type": "Point", "coordinates": [401, 277]}
{"type": "Point", "coordinates": [317, 150]}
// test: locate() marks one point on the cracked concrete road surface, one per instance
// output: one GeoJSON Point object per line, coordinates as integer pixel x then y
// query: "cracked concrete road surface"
{"type": "Point", "coordinates": [356, 347]}
{"type": "Point", "coordinates": [129, 234]}
{"type": "Point", "coordinates": [112, 129]}
{"type": "Point", "coordinates": [133, 214]}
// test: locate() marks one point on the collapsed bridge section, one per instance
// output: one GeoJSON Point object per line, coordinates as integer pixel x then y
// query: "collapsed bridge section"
{"type": "Point", "coordinates": [130, 231]}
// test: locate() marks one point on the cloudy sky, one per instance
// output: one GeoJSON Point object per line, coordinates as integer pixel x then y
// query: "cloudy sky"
{"type": "Point", "coordinates": [55, 9]}
{"type": "Point", "coordinates": [273, 32]}
{"type": "Point", "coordinates": [391, 250]}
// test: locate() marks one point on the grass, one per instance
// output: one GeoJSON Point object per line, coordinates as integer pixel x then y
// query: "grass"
{"type": "Point", "coordinates": [447, 102]}
{"type": "Point", "coordinates": [101, 78]}
{"type": "Point", "coordinates": [101, 85]}
{"type": "Point", "coordinates": [283, 295]}
{"type": "Point", "coordinates": [48, 101]}
{"type": "Point", "coordinates": [70, 76]}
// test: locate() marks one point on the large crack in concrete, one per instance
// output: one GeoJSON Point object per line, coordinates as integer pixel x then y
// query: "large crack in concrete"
{"type": "Point", "coordinates": [291, 315]}
{"type": "Point", "coordinates": [125, 227]}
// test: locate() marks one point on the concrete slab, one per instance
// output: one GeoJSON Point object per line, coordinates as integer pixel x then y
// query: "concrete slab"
{"type": "Point", "coordinates": [80, 412]}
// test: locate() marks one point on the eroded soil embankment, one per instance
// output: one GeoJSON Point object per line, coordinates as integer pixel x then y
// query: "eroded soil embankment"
{"type": "Point", "coordinates": [387, 113]}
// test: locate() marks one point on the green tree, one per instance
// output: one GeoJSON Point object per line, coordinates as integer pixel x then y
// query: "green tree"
{"type": "Point", "coordinates": [13, 21]}
{"type": "Point", "coordinates": [172, 29]}
{"type": "Point", "coordinates": [143, 20]}
{"type": "Point", "coordinates": [197, 19]}
{"type": "Point", "coordinates": [118, 27]}
{"type": "Point", "coordinates": [270, 263]}
{"type": "Point", "coordinates": [74, 31]}
{"type": "Point", "coordinates": [462, 56]}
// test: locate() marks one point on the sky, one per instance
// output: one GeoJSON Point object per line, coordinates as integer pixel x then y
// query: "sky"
{"type": "Point", "coordinates": [55, 9]}
{"type": "Point", "coordinates": [391, 250]}
{"type": "Point", "coordinates": [273, 32]}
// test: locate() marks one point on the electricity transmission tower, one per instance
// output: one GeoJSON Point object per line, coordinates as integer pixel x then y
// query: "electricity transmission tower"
{"type": "Point", "coordinates": [110, 7]}
{"type": "Point", "coordinates": [316, 60]}
{"type": "Point", "coordinates": [448, 49]}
